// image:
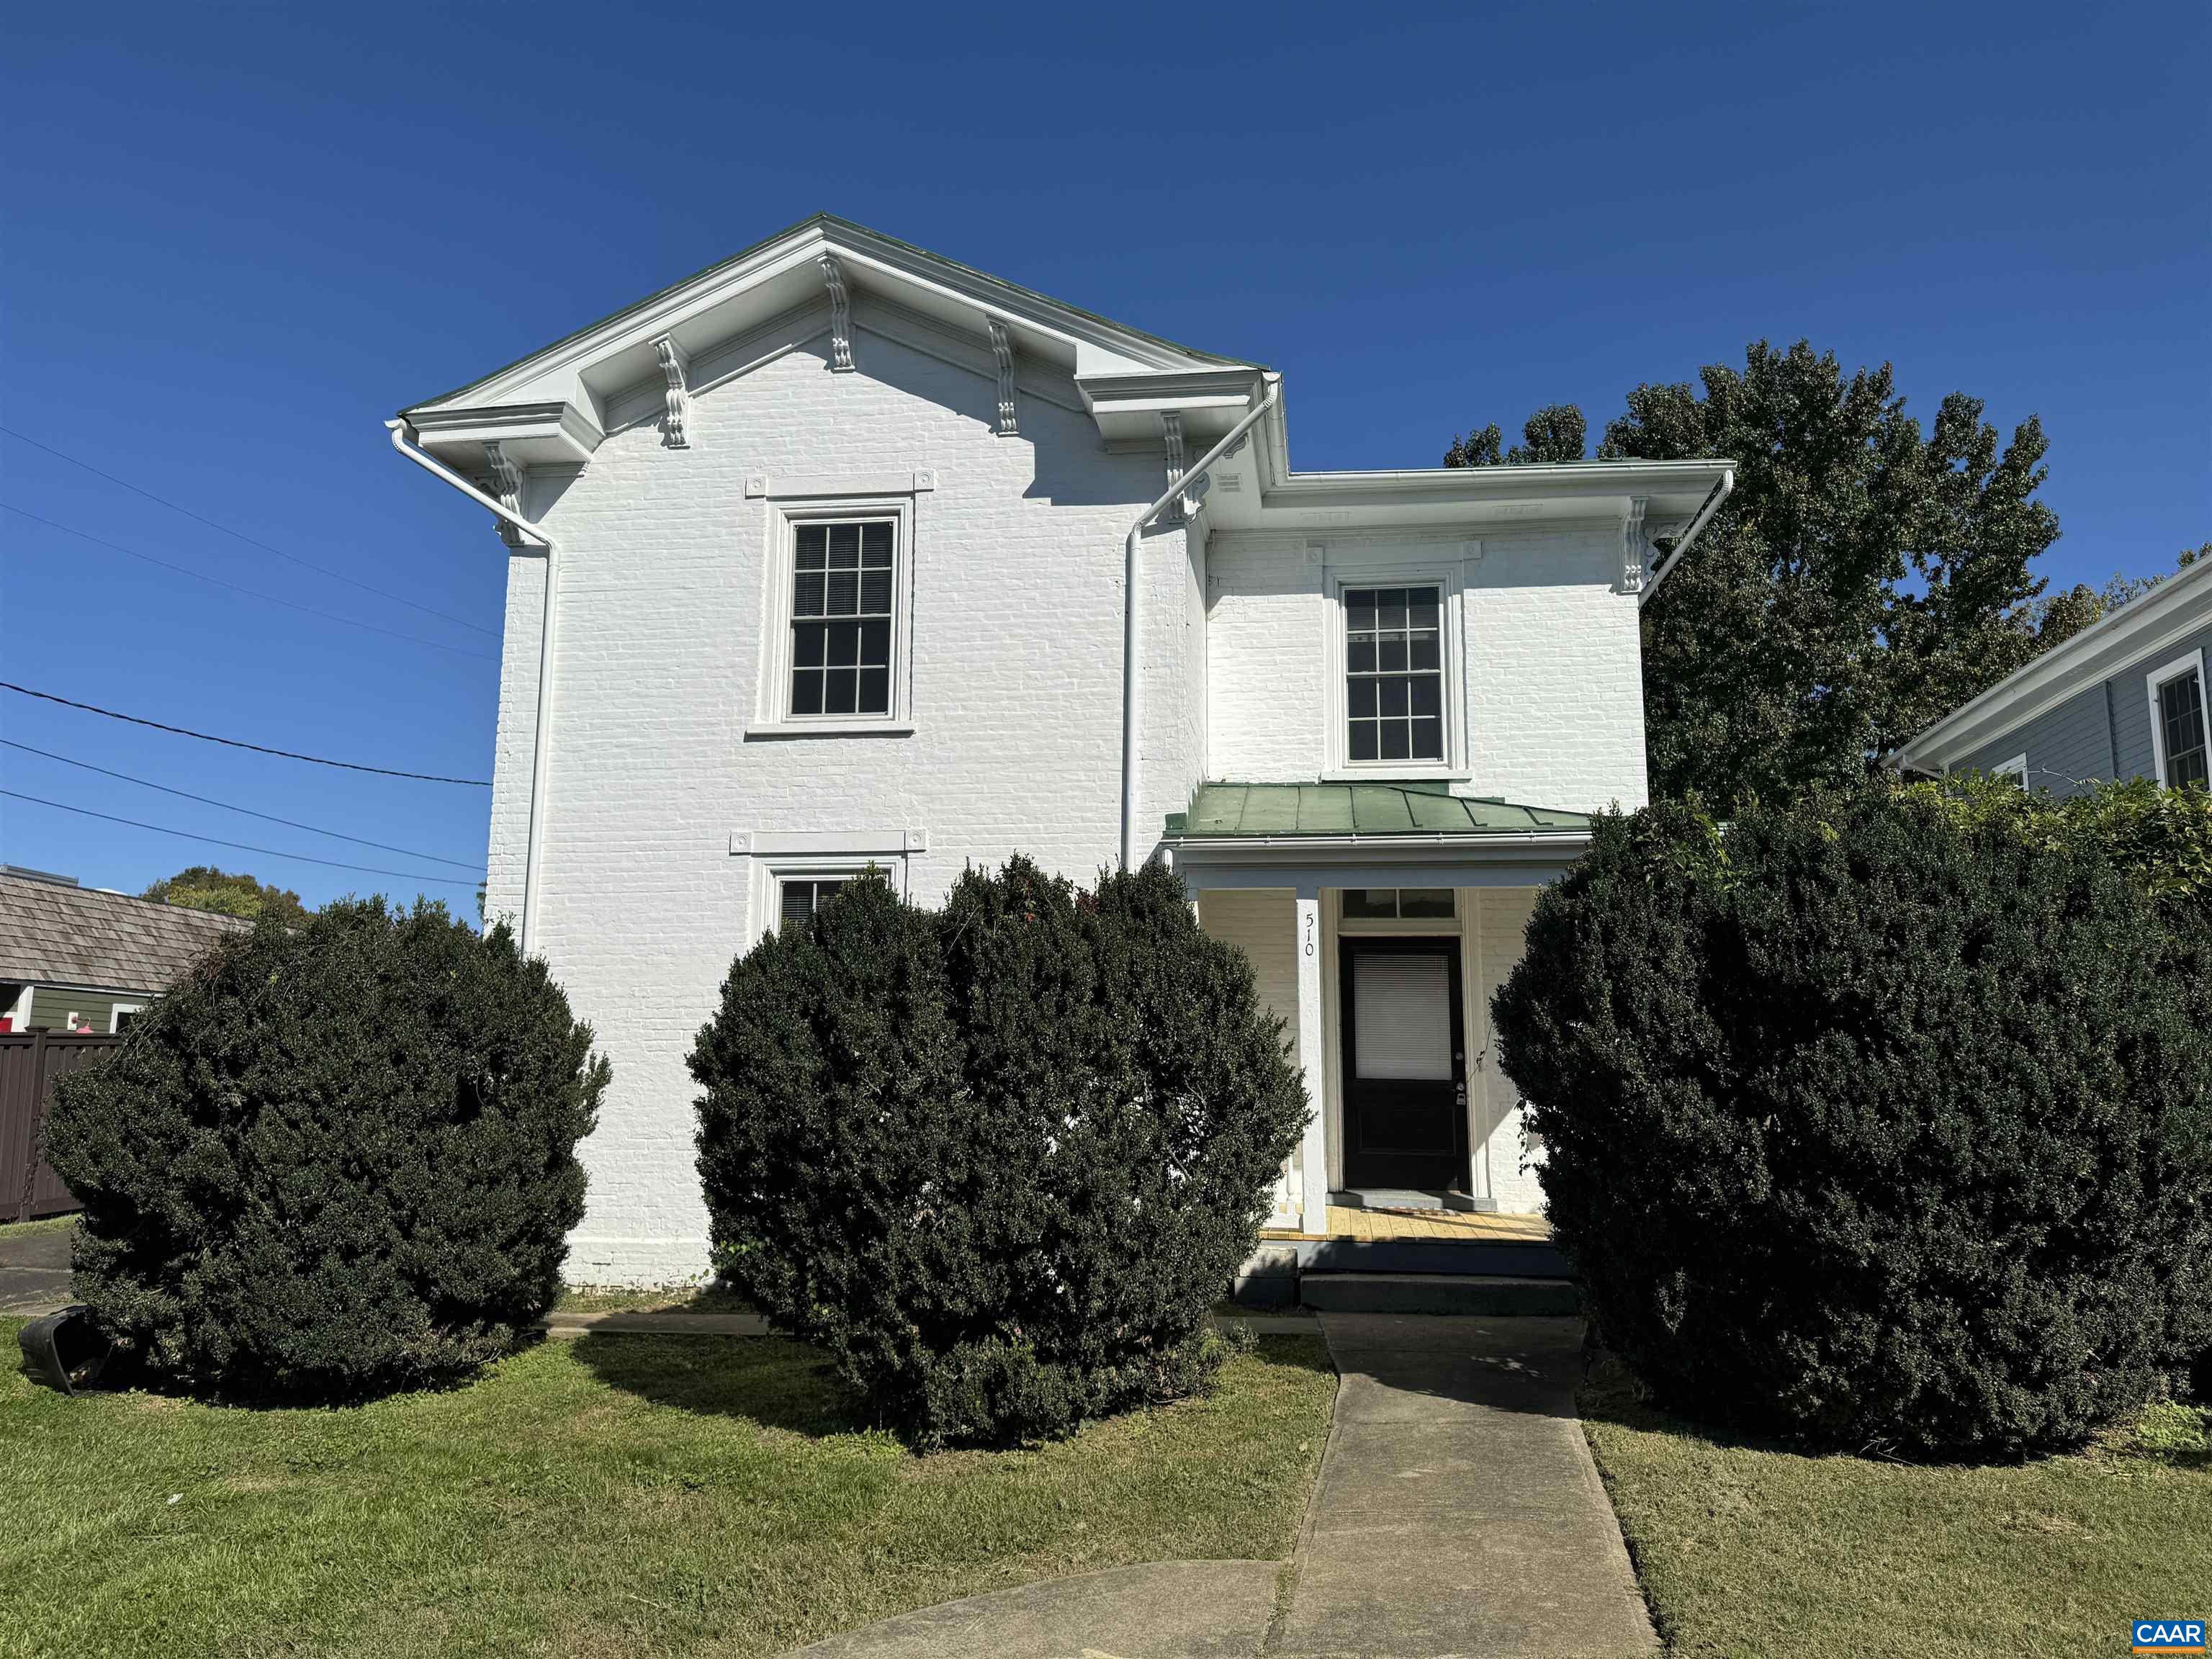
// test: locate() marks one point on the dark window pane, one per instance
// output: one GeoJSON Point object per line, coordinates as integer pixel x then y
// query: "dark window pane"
{"type": "Point", "coordinates": [1425, 652]}
{"type": "Point", "coordinates": [875, 644]}
{"type": "Point", "coordinates": [875, 691]}
{"type": "Point", "coordinates": [1394, 695]}
{"type": "Point", "coordinates": [1395, 739]}
{"type": "Point", "coordinates": [844, 546]}
{"type": "Point", "coordinates": [1359, 656]}
{"type": "Point", "coordinates": [844, 592]}
{"type": "Point", "coordinates": [806, 645]}
{"type": "Point", "coordinates": [1424, 903]}
{"type": "Point", "coordinates": [1370, 903]}
{"type": "Point", "coordinates": [1428, 695]}
{"type": "Point", "coordinates": [1428, 740]}
{"type": "Point", "coordinates": [1362, 740]}
{"type": "Point", "coordinates": [841, 690]}
{"type": "Point", "coordinates": [806, 593]}
{"type": "Point", "coordinates": [876, 592]}
{"type": "Point", "coordinates": [807, 691]}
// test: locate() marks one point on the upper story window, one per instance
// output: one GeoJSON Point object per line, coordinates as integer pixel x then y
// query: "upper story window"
{"type": "Point", "coordinates": [2177, 718]}
{"type": "Point", "coordinates": [1393, 671]}
{"type": "Point", "coordinates": [841, 610]}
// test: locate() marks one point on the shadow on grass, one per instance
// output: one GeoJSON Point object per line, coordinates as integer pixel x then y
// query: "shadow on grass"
{"type": "Point", "coordinates": [769, 1380]}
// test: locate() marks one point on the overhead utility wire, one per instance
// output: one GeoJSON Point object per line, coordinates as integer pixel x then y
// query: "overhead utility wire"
{"type": "Point", "coordinates": [237, 743]}
{"type": "Point", "coordinates": [238, 846]}
{"type": "Point", "coordinates": [228, 806]}
{"type": "Point", "coordinates": [339, 575]}
{"type": "Point", "coordinates": [251, 593]}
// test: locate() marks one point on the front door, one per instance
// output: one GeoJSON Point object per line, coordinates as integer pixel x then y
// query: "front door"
{"type": "Point", "coordinates": [1405, 1113]}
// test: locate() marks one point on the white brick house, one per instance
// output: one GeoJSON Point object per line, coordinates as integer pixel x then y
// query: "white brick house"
{"type": "Point", "coordinates": [836, 533]}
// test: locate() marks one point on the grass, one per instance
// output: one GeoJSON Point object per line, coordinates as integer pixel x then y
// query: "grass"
{"type": "Point", "coordinates": [612, 1495]}
{"type": "Point", "coordinates": [1745, 1549]}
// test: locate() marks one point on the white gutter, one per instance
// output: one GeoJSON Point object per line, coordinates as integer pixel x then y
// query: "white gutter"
{"type": "Point", "coordinates": [1132, 682]}
{"type": "Point", "coordinates": [531, 859]}
{"type": "Point", "coordinates": [1720, 492]}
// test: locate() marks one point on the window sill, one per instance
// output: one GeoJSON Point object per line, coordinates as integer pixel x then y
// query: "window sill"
{"type": "Point", "coordinates": [829, 728]}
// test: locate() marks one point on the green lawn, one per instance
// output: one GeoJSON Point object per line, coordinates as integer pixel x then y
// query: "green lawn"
{"type": "Point", "coordinates": [611, 1495]}
{"type": "Point", "coordinates": [1745, 1550]}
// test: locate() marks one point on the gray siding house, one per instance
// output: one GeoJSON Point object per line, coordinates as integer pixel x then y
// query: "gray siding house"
{"type": "Point", "coordinates": [2125, 698]}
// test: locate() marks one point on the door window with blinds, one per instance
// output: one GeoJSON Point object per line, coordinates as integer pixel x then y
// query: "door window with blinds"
{"type": "Point", "coordinates": [2177, 717]}
{"type": "Point", "coordinates": [843, 600]}
{"type": "Point", "coordinates": [1393, 664]}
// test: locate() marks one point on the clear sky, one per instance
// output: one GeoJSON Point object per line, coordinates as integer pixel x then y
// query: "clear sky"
{"type": "Point", "coordinates": [237, 239]}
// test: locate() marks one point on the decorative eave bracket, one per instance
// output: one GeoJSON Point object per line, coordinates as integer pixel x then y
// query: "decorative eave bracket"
{"type": "Point", "coordinates": [506, 484]}
{"type": "Point", "coordinates": [841, 316]}
{"type": "Point", "coordinates": [676, 364]}
{"type": "Point", "coordinates": [1002, 348]}
{"type": "Point", "coordinates": [1635, 547]}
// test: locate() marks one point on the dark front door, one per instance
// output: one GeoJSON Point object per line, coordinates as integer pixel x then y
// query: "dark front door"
{"type": "Point", "coordinates": [1405, 1119]}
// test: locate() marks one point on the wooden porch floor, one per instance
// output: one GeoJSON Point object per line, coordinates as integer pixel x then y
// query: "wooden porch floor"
{"type": "Point", "coordinates": [1396, 1224]}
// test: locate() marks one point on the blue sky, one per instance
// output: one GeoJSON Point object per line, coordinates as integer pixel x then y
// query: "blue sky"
{"type": "Point", "coordinates": [238, 239]}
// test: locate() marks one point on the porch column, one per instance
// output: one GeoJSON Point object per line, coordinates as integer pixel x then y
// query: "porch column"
{"type": "Point", "coordinates": [1313, 1157]}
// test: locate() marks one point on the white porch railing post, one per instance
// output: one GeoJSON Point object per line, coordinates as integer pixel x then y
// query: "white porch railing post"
{"type": "Point", "coordinates": [1314, 1149]}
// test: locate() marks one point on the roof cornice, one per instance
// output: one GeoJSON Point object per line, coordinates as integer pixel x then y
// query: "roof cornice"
{"type": "Point", "coordinates": [2176, 608]}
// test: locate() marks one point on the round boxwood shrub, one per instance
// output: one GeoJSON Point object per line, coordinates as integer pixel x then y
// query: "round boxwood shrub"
{"type": "Point", "coordinates": [339, 1159]}
{"type": "Point", "coordinates": [1872, 1120]}
{"type": "Point", "coordinates": [1000, 1160]}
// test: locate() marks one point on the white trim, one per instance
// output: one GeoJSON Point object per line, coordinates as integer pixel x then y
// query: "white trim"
{"type": "Point", "coordinates": [1448, 577]}
{"type": "Point", "coordinates": [2156, 681]}
{"type": "Point", "coordinates": [772, 716]}
{"type": "Point", "coordinates": [115, 1015]}
{"type": "Point", "coordinates": [2112, 645]}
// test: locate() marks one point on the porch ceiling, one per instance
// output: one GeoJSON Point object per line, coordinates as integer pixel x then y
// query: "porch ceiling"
{"type": "Point", "coordinates": [1359, 808]}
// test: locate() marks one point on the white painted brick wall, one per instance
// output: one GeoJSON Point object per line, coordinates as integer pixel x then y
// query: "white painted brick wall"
{"type": "Point", "coordinates": [1017, 707]}
{"type": "Point", "coordinates": [1552, 658]}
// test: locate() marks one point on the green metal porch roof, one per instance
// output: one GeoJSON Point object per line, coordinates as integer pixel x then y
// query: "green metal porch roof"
{"type": "Point", "coordinates": [1359, 808]}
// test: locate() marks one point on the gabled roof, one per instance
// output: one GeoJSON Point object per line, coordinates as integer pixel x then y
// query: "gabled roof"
{"type": "Point", "coordinates": [1275, 809]}
{"type": "Point", "coordinates": [53, 934]}
{"type": "Point", "coordinates": [2125, 639]}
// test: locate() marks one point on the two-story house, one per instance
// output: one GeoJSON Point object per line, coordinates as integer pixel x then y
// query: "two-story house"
{"type": "Point", "coordinates": [2123, 698]}
{"type": "Point", "coordinates": [841, 555]}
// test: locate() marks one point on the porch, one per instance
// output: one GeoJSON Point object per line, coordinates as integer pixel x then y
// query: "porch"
{"type": "Point", "coordinates": [1380, 919]}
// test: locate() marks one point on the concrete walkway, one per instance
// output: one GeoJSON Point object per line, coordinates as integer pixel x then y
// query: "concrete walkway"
{"type": "Point", "coordinates": [1458, 1513]}
{"type": "Point", "coordinates": [34, 1270]}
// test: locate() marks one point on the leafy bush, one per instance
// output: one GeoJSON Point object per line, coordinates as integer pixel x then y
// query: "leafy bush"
{"type": "Point", "coordinates": [999, 1160]}
{"type": "Point", "coordinates": [337, 1159]}
{"type": "Point", "coordinates": [1880, 1119]}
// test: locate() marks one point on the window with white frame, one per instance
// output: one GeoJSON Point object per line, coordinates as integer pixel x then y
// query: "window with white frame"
{"type": "Point", "coordinates": [842, 609]}
{"type": "Point", "coordinates": [2177, 725]}
{"type": "Point", "coordinates": [1393, 672]}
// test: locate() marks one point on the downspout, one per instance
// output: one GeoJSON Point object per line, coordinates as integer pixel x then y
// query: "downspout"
{"type": "Point", "coordinates": [1719, 493]}
{"type": "Point", "coordinates": [533, 847]}
{"type": "Point", "coordinates": [1132, 682]}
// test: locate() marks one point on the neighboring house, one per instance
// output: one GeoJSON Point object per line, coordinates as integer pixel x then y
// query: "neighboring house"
{"type": "Point", "coordinates": [72, 959]}
{"type": "Point", "coordinates": [2123, 698]}
{"type": "Point", "coordinates": [838, 538]}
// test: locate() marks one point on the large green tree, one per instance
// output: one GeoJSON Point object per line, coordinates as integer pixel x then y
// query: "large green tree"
{"type": "Point", "coordinates": [204, 887]}
{"type": "Point", "coordinates": [1864, 576]}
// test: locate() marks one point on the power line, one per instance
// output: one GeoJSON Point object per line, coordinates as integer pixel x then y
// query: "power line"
{"type": "Point", "coordinates": [339, 575]}
{"type": "Point", "coordinates": [268, 818]}
{"type": "Point", "coordinates": [251, 593]}
{"type": "Point", "coordinates": [236, 742]}
{"type": "Point", "coordinates": [238, 846]}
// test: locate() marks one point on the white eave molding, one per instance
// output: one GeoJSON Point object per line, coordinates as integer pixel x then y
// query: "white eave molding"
{"type": "Point", "coordinates": [2174, 610]}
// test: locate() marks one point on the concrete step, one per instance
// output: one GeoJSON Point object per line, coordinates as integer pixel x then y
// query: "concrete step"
{"type": "Point", "coordinates": [1493, 1294]}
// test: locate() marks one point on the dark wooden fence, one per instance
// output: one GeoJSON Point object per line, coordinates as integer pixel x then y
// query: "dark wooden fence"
{"type": "Point", "coordinates": [29, 1063]}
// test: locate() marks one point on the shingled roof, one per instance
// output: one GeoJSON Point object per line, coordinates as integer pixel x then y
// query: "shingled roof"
{"type": "Point", "coordinates": [53, 934]}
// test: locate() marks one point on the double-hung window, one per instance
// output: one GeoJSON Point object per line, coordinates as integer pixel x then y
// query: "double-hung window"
{"type": "Point", "coordinates": [2177, 723]}
{"type": "Point", "coordinates": [1393, 672]}
{"type": "Point", "coordinates": [843, 598]}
